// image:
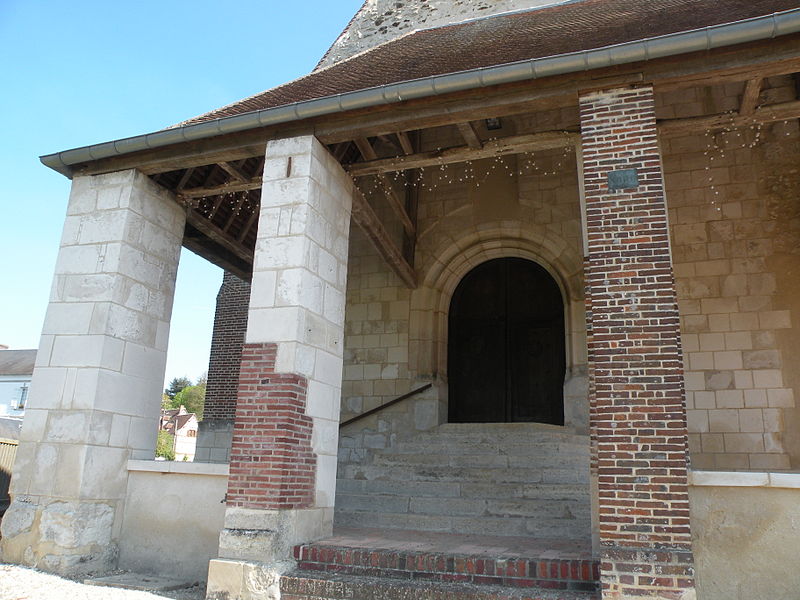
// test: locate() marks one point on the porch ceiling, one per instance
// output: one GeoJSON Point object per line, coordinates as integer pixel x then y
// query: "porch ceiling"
{"type": "Point", "coordinates": [222, 198]}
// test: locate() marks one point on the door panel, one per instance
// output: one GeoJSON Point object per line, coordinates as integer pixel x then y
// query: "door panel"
{"type": "Point", "coordinates": [506, 348]}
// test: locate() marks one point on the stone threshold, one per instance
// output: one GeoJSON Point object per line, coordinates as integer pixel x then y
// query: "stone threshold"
{"type": "Point", "coordinates": [176, 466]}
{"type": "Point", "coordinates": [760, 479]}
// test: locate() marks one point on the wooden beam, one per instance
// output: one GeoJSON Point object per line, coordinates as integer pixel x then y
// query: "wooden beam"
{"type": "Point", "coordinates": [752, 90]}
{"type": "Point", "coordinates": [371, 225]}
{"type": "Point", "coordinates": [246, 229]}
{"type": "Point", "coordinates": [405, 142]}
{"type": "Point", "coordinates": [516, 144]}
{"type": "Point", "coordinates": [234, 171]}
{"type": "Point", "coordinates": [203, 192]}
{"type": "Point", "coordinates": [184, 179]}
{"type": "Point", "coordinates": [368, 152]}
{"type": "Point", "coordinates": [214, 256]}
{"type": "Point", "coordinates": [470, 135]}
{"type": "Point", "coordinates": [762, 114]}
{"type": "Point", "coordinates": [234, 213]}
{"type": "Point", "coordinates": [217, 235]}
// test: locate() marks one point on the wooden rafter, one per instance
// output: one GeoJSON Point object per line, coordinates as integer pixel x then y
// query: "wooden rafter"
{"type": "Point", "coordinates": [500, 147]}
{"type": "Point", "coordinates": [368, 152]}
{"type": "Point", "coordinates": [470, 135]}
{"type": "Point", "coordinates": [202, 192]}
{"type": "Point", "coordinates": [234, 213]}
{"type": "Point", "coordinates": [405, 142]}
{"type": "Point", "coordinates": [234, 171]}
{"type": "Point", "coordinates": [219, 236]}
{"type": "Point", "coordinates": [250, 221]}
{"type": "Point", "coordinates": [369, 222]}
{"type": "Point", "coordinates": [187, 174]}
{"type": "Point", "coordinates": [762, 114]}
{"type": "Point", "coordinates": [752, 90]}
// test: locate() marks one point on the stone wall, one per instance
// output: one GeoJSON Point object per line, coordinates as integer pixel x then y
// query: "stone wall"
{"type": "Point", "coordinates": [379, 21]}
{"type": "Point", "coordinates": [735, 228]}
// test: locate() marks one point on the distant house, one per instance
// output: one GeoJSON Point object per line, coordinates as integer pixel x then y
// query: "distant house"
{"type": "Point", "coordinates": [16, 368]}
{"type": "Point", "coordinates": [182, 425]}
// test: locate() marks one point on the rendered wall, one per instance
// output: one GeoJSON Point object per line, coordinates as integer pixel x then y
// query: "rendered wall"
{"type": "Point", "coordinates": [173, 515]}
{"type": "Point", "coordinates": [746, 542]}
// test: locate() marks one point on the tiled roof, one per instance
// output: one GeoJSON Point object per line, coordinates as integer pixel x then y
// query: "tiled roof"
{"type": "Point", "coordinates": [537, 33]}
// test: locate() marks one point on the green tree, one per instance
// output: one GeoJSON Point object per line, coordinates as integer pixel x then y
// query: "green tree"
{"type": "Point", "coordinates": [176, 385]}
{"type": "Point", "coordinates": [165, 446]}
{"type": "Point", "coordinates": [193, 398]}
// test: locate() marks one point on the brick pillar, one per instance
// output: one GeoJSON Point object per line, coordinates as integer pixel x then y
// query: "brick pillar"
{"type": "Point", "coordinates": [96, 390]}
{"type": "Point", "coordinates": [283, 458]}
{"type": "Point", "coordinates": [230, 324]}
{"type": "Point", "coordinates": [638, 405]}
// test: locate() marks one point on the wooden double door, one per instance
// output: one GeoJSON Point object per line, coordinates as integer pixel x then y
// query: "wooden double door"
{"type": "Point", "coordinates": [506, 347]}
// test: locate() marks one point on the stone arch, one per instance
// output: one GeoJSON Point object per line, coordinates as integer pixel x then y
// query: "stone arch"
{"type": "Point", "coordinates": [453, 258]}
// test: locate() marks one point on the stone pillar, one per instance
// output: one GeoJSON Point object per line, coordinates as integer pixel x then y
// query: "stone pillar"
{"type": "Point", "coordinates": [215, 431]}
{"type": "Point", "coordinates": [96, 389]}
{"type": "Point", "coordinates": [638, 407]}
{"type": "Point", "coordinates": [283, 458]}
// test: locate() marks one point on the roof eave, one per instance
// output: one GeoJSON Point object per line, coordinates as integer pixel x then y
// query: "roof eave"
{"type": "Point", "coordinates": [707, 38]}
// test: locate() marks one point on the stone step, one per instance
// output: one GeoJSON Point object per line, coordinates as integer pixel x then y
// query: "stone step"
{"type": "Point", "coordinates": [498, 458]}
{"type": "Point", "coordinates": [566, 508]}
{"type": "Point", "coordinates": [544, 527]}
{"type": "Point", "coordinates": [468, 489]}
{"type": "Point", "coordinates": [463, 445]}
{"type": "Point", "coordinates": [551, 569]}
{"type": "Point", "coordinates": [316, 585]}
{"type": "Point", "coordinates": [414, 472]}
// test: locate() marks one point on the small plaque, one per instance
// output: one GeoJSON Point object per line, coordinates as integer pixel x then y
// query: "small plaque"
{"type": "Point", "coordinates": [623, 179]}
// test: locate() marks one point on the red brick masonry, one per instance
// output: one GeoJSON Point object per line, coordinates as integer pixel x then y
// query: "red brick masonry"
{"type": "Point", "coordinates": [638, 406]}
{"type": "Point", "coordinates": [272, 464]}
{"type": "Point", "coordinates": [548, 573]}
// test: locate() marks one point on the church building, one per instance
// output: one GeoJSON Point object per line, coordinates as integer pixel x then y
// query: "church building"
{"type": "Point", "coordinates": [511, 310]}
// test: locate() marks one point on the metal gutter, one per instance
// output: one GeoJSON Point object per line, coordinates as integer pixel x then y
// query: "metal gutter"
{"type": "Point", "coordinates": [707, 38]}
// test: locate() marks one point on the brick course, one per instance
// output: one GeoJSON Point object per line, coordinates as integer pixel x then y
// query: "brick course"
{"type": "Point", "coordinates": [272, 463]}
{"type": "Point", "coordinates": [638, 405]}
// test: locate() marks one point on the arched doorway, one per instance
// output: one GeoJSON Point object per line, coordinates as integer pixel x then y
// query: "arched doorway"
{"type": "Point", "coordinates": [506, 353]}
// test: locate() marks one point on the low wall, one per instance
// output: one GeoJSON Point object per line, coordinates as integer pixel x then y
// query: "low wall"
{"type": "Point", "coordinates": [746, 530]}
{"type": "Point", "coordinates": [173, 515]}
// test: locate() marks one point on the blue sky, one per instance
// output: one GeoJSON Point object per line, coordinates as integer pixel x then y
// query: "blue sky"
{"type": "Point", "coordinates": [79, 73]}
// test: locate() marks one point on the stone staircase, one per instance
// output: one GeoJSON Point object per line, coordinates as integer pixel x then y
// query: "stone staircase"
{"type": "Point", "coordinates": [515, 479]}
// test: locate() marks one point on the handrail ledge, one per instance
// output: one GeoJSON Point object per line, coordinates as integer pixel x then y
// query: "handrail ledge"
{"type": "Point", "coordinates": [372, 411]}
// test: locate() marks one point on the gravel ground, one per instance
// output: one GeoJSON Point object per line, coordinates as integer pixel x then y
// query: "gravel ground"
{"type": "Point", "coordinates": [18, 583]}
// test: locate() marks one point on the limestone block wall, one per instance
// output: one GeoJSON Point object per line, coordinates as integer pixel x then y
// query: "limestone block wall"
{"type": "Point", "coordinates": [396, 338]}
{"type": "Point", "coordinates": [735, 231]}
{"type": "Point", "coordinates": [96, 388]}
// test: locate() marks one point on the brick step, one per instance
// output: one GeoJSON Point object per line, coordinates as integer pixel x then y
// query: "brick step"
{"type": "Point", "coordinates": [549, 570]}
{"type": "Point", "coordinates": [543, 526]}
{"type": "Point", "coordinates": [315, 585]}
{"type": "Point", "coordinates": [464, 489]}
{"type": "Point", "coordinates": [415, 472]}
